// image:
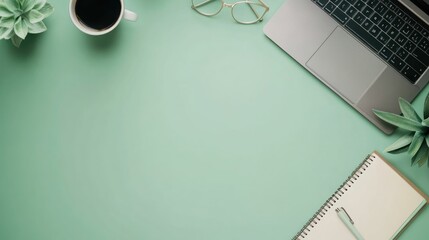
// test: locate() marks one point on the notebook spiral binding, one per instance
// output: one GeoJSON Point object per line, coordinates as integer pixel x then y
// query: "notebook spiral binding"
{"type": "Point", "coordinates": [302, 234]}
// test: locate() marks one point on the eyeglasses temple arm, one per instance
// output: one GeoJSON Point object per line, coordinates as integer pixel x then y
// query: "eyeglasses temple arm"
{"type": "Point", "coordinates": [203, 3]}
{"type": "Point", "coordinates": [253, 10]}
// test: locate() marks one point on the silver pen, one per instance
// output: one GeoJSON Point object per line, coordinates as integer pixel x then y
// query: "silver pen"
{"type": "Point", "coordinates": [348, 222]}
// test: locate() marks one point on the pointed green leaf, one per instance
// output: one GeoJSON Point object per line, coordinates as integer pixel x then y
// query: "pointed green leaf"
{"type": "Point", "coordinates": [408, 110]}
{"type": "Point", "coordinates": [16, 41]}
{"type": "Point", "coordinates": [35, 16]}
{"type": "Point", "coordinates": [7, 22]}
{"type": "Point", "coordinates": [416, 143]}
{"type": "Point", "coordinates": [21, 29]}
{"type": "Point", "coordinates": [4, 11]}
{"type": "Point", "coordinates": [399, 121]}
{"type": "Point", "coordinates": [426, 107]}
{"type": "Point", "coordinates": [10, 35]}
{"type": "Point", "coordinates": [427, 140]}
{"type": "Point", "coordinates": [36, 27]}
{"type": "Point", "coordinates": [400, 143]}
{"type": "Point", "coordinates": [421, 155]}
{"type": "Point", "coordinates": [46, 10]}
{"type": "Point", "coordinates": [11, 5]}
{"type": "Point", "coordinates": [39, 4]}
{"type": "Point", "coordinates": [27, 5]}
{"type": "Point", "coordinates": [4, 32]}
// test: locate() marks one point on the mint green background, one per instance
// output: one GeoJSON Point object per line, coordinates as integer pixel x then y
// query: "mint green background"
{"type": "Point", "coordinates": [177, 126]}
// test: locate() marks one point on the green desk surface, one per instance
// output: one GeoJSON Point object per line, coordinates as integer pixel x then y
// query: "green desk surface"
{"type": "Point", "coordinates": [177, 126]}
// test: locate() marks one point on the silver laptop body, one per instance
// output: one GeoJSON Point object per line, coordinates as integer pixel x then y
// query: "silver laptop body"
{"type": "Point", "coordinates": [335, 49]}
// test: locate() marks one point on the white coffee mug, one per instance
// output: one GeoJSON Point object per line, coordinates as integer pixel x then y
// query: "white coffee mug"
{"type": "Point", "coordinates": [124, 14]}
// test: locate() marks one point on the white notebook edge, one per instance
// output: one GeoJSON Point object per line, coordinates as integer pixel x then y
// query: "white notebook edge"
{"type": "Point", "coordinates": [420, 192]}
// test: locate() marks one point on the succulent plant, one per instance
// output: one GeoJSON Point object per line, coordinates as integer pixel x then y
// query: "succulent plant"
{"type": "Point", "coordinates": [21, 17]}
{"type": "Point", "coordinates": [416, 139]}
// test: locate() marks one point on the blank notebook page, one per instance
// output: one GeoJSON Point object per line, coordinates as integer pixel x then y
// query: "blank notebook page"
{"type": "Point", "coordinates": [378, 200]}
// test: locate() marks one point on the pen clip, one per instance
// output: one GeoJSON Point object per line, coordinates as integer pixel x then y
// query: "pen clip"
{"type": "Point", "coordinates": [341, 209]}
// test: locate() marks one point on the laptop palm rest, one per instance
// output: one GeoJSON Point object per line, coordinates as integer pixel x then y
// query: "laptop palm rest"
{"type": "Point", "coordinates": [346, 65]}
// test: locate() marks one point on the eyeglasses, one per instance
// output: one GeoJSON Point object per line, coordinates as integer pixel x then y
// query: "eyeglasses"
{"type": "Point", "coordinates": [244, 12]}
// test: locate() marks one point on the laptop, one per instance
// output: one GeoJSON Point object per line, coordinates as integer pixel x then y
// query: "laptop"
{"type": "Point", "coordinates": [369, 52]}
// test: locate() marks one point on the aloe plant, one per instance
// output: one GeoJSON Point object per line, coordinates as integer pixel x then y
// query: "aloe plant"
{"type": "Point", "coordinates": [18, 18]}
{"type": "Point", "coordinates": [416, 139]}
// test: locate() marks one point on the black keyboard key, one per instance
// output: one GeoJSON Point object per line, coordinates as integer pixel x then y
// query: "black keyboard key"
{"type": "Point", "coordinates": [391, 6]}
{"type": "Point", "coordinates": [364, 35]}
{"type": "Point", "coordinates": [389, 16]}
{"type": "Point", "coordinates": [425, 33]}
{"type": "Point", "coordinates": [376, 18]}
{"type": "Point", "coordinates": [372, 3]}
{"type": "Point", "coordinates": [385, 53]}
{"type": "Point", "coordinates": [392, 45]}
{"type": "Point", "coordinates": [336, 2]}
{"type": "Point", "coordinates": [409, 73]}
{"type": "Point", "coordinates": [359, 5]}
{"type": "Point", "coordinates": [367, 11]}
{"type": "Point", "coordinates": [384, 25]}
{"type": "Point", "coordinates": [409, 20]}
{"type": "Point", "coordinates": [359, 18]}
{"type": "Point", "coordinates": [322, 3]}
{"type": "Point", "coordinates": [352, 11]}
{"type": "Point", "coordinates": [398, 23]}
{"type": "Point", "coordinates": [424, 44]}
{"type": "Point", "coordinates": [367, 24]}
{"type": "Point", "coordinates": [416, 37]}
{"type": "Point", "coordinates": [383, 38]}
{"type": "Point", "coordinates": [381, 9]}
{"type": "Point", "coordinates": [400, 39]}
{"type": "Point", "coordinates": [344, 6]}
{"type": "Point", "coordinates": [409, 46]}
{"type": "Point", "coordinates": [400, 14]}
{"type": "Point", "coordinates": [393, 32]}
{"type": "Point", "coordinates": [397, 63]}
{"type": "Point", "coordinates": [421, 56]}
{"type": "Point", "coordinates": [340, 16]}
{"type": "Point", "coordinates": [375, 31]}
{"type": "Point", "coordinates": [329, 8]}
{"type": "Point", "coordinates": [418, 27]}
{"type": "Point", "coordinates": [406, 30]}
{"type": "Point", "coordinates": [402, 53]}
{"type": "Point", "coordinates": [352, 1]}
{"type": "Point", "coordinates": [415, 64]}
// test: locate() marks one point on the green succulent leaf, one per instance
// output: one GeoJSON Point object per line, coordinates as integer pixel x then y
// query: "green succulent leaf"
{"type": "Point", "coordinates": [27, 5]}
{"type": "Point", "coordinates": [416, 143]}
{"type": "Point", "coordinates": [408, 110]}
{"type": "Point", "coordinates": [39, 4]}
{"type": "Point", "coordinates": [421, 155]}
{"type": "Point", "coordinates": [35, 16]}
{"type": "Point", "coordinates": [5, 32]}
{"type": "Point", "coordinates": [36, 27]}
{"type": "Point", "coordinates": [16, 41]}
{"type": "Point", "coordinates": [4, 10]}
{"type": "Point", "coordinates": [21, 29]}
{"type": "Point", "coordinates": [400, 143]}
{"type": "Point", "coordinates": [426, 108]}
{"type": "Point", "coordinates": [11, 5]}
{"type": "Point", "coordinates": [399, 121]}
{"type": "Point", "coordinates": [7, 22]}
{"type": "Point", "coordinates": [46, 10]}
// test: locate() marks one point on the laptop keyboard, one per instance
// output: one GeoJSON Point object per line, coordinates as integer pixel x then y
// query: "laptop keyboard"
{"type": "Point", "coordinates": [401, 39]}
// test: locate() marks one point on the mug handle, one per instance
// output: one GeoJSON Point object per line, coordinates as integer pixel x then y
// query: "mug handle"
{"type": "Point", "coordinates": [130, 16]}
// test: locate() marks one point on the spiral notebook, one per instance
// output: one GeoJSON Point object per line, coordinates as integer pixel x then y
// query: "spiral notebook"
{"type": "Point", "coordinates": [379, 200]}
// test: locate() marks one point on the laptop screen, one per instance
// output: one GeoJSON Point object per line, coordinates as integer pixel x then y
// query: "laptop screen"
{"type": "Point", "coordinates": [422, 4]}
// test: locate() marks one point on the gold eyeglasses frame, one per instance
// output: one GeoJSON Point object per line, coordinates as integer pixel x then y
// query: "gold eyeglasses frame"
{"type": "Point", "coordinates": [259, 17]}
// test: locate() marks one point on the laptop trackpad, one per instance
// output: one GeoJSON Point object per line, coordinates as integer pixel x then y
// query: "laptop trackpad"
{"type": "Point", "coordinates": [346, 65]}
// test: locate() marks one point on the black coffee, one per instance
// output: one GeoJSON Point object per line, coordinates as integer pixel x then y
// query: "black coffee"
{"type": "Point", "coordinates": [98, 14]}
